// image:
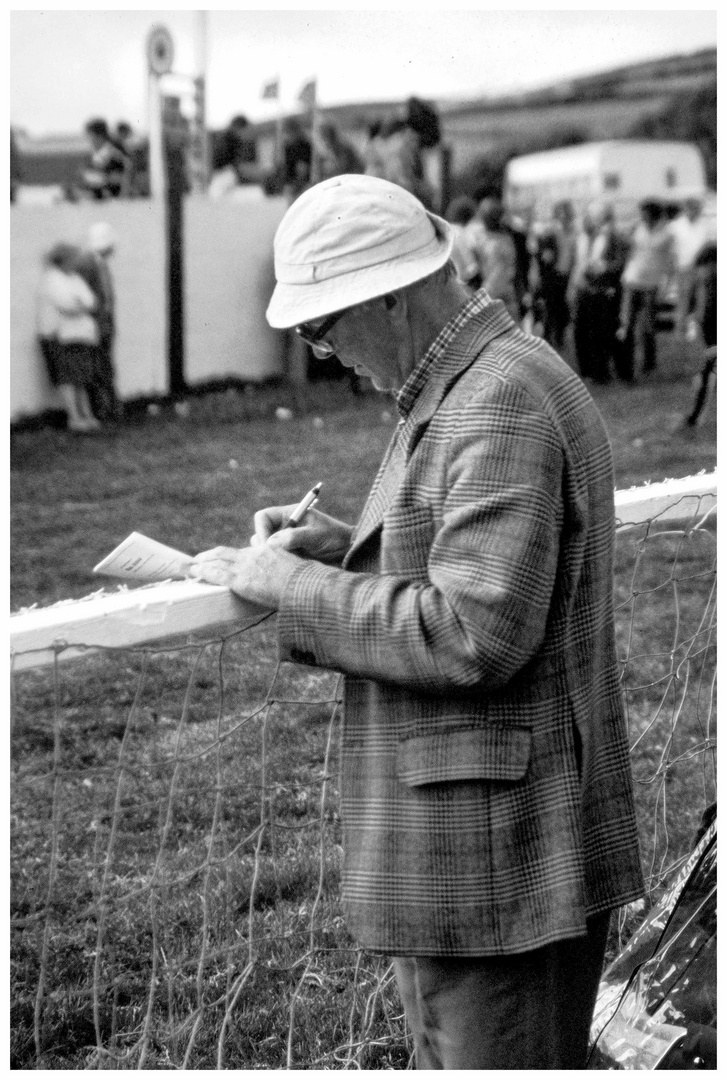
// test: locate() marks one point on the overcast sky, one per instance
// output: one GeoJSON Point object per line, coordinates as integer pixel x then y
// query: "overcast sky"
{"type": "Point", "coordinates": [69, 65]}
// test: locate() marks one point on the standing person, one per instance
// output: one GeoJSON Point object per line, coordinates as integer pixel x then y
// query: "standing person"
{"type": "Point", "coordinates": [297, 158]}
{"type": "Point", "coordinates": [485, 791]}
{"type": "Point", "coordinates": [689, 231]}
{"type": "Point", "coordinates": [67, 334]}
{"type": "Point", "coordinates": [460, 212]}
{"type": "Point", "coordinates": [556, 255]}
{"type": "Point", "coordinates": [650, 264]}
{"type": "Point", "coordinates": [496, 256]}
{"type": "Point", "coordinates": [596, 288]}
{"type": "Point", "coordinates": [397, 145]}
{"type": "Point", "coordinates": [136, 180]}
{"type": "Point", "coordinates": [372, 159]}
{"type": "Point", "coordinates": [234, 157]}
{"type": "Point", "coordinates": [580, 295]}
{"type": "Point", "coordinates": [47, 316]}
{"type": "Point", "coordinates": [335, 154]}
{"type": "Point", "coordinates": [518, 226]}
{"type": "Point", "coordinates": [94, 267]}
{"type": "Point", "coordinates": [107, 174]}
{"type": "Point", "coordinates": [124, 137]}
{"type": "Point", "coordinates": [705, 318]}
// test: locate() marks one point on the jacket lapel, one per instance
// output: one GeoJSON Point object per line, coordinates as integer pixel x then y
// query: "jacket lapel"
{"type": "Point", "coordinates": [459, 355]}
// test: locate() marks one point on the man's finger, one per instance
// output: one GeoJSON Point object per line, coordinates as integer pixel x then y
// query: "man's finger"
{"type": "Point", "coordinates": [267, 522]}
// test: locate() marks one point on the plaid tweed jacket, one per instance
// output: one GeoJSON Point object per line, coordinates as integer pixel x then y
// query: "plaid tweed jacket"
{"type": "Point", "coordinates": [485, 790]}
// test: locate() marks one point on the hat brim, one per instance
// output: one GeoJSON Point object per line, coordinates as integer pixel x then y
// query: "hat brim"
{"type": "Point", "coordinates": [292, 304]}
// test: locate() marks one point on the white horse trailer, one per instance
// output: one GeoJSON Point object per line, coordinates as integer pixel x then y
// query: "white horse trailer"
{"type": "Point", "coordinates": [620, 172]}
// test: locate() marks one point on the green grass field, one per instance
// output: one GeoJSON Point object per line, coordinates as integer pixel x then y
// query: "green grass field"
{"type": "Point", "coordinates": [172, 809]}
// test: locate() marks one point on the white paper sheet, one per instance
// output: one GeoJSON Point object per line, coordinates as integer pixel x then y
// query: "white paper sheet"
{"type": "Point", "coordinates": [141, 559]}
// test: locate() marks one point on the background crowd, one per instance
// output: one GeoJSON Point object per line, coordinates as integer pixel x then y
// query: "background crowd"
{"type": "Point", "coordinates": [595, 288]}
{"type": "Point", "coordinates": [591, 286]}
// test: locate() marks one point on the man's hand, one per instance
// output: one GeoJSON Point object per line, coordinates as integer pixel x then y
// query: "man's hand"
{"type": "Point", "coordinates": [258, 573]}
{"type": "Point", "coordinates": [318, 536]}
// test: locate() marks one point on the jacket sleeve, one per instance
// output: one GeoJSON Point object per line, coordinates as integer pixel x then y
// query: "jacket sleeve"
{"type": "Point", "coordinates": [478, 611]}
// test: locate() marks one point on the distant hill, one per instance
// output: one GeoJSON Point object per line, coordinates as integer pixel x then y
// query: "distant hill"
{"type": "Point", "coordinates": [616, 104]}
{"type": "Point", "coordinates": [645, 79]}
{"type": "Point", "coordinates": [607, 105]}
{"type": "Point", "coordinates": [643, 83]}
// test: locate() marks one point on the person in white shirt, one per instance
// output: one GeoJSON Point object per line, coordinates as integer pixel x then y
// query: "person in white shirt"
{"type": "Point", "coordinates": [68, 334]}
{"type": "Point", "coordinates": [689, 232]}
{"type": "Point", "coordinates": [650, 264]}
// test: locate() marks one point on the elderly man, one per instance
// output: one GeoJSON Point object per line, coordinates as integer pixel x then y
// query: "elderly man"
{"type": "Point", "coordinates": [486, 794]}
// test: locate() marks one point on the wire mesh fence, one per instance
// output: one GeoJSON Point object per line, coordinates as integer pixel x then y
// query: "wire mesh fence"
{"type": "Point", "coordinates": [176, 837]}
{"type": "Point", "coordinates": [665, 583]}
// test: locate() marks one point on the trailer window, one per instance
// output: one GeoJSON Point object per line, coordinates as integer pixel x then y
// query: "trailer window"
{"type": "Point", "coordinates": [612, 181]}
{"type": "Point", "coordinates": [671, 177]}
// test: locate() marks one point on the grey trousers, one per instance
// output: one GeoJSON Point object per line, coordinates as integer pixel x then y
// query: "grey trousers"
{"type": "Point", "coordinates": [528, 1011]}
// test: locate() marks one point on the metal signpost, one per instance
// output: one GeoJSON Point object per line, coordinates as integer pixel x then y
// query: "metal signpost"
{"type": "Point", "coordinates": [167, 178]}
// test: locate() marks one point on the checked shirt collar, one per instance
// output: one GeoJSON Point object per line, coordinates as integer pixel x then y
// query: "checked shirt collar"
{"type": "Point", "coordinates": [412, 387]}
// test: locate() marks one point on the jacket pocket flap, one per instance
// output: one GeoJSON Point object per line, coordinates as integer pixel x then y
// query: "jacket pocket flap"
{"type": "Point", "coordinates": [483, 753]}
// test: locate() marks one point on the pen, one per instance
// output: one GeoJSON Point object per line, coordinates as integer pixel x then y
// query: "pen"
{"type": "Point", "coordinates": [305, 504]}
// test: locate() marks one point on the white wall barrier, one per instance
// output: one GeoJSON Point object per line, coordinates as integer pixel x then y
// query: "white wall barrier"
{"type": "Point", "coordinates": [228, 280]}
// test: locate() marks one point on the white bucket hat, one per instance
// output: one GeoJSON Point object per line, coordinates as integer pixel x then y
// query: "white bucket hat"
{"type": "Point", "coordinates": [349, 239]}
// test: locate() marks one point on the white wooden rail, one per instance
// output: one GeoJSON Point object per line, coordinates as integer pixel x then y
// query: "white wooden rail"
{"type": "Point", "coordinates": [672, 502]}
{"type": "Point", "coordinates": [183, 611]}
{"type": "Point", "coordinates": [187, 611]}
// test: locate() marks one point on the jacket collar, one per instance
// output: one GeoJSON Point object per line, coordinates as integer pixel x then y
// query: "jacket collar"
{"type": "Point", "coordinates": [477, 307]}
{"type": "Point", "coordinates": [449, 356]}
{"type": "Point", "coordinates": [454, 350]}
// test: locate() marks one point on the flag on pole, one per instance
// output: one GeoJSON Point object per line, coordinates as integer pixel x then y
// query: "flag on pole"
{"type": "Point", "coordinates": [307, 95]}
{"type": "Point", "coordinates": [271, 89]}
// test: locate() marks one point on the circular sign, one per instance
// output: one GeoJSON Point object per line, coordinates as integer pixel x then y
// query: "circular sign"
{"type": "Point", "coordinates": [159, 50]}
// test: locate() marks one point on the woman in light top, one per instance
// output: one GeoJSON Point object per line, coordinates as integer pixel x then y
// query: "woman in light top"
{"type": "Point", "coordinates": [68, 334]}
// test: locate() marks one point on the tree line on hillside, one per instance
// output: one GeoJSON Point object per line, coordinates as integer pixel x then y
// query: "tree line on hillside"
{"type": "Point", "coordinates": [692, 117]}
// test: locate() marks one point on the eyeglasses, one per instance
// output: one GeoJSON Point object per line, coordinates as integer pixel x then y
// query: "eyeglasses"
{"type": "Point", "coordinates": [314, 338]}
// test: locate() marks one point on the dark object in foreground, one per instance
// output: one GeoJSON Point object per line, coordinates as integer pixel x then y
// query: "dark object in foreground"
{"type": "Point", "coordinates": [657, 1003]}
{"type": "Point", "coordinates": [704, 381]}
